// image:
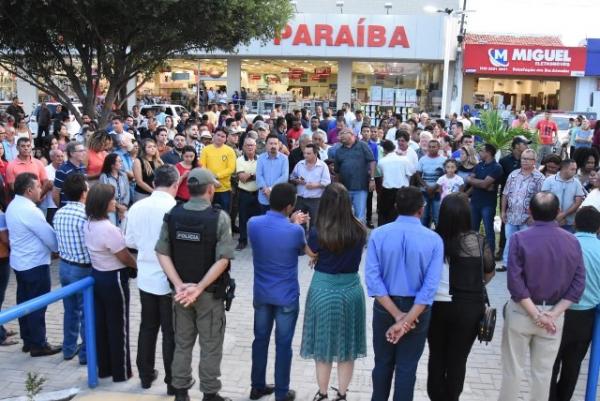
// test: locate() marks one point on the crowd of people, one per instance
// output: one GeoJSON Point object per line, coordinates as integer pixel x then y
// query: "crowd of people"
{"type": "Point", "coordinates": [148, 198]}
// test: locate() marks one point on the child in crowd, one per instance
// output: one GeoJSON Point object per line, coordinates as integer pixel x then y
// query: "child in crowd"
{"type": "Point", "coordinates": [450, 182]}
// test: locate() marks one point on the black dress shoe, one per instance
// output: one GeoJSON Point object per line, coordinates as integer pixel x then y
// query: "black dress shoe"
{"type": "Point", "coordinates": [370, 225]}
{"type": "Point", "coordinates": [241, 245]}
{"type": "Point", "coordinates": [235, 229]}
{"type": "Point", "coordinates": [171, 390]}
{"type": "Point", "coordinates": [181, 395]}
{"type": "Point", "coordinates": [45, 351]}
{"type": "Point", "coordinates": [501, 269]}
{"type": "Point", "coordinates": [290, 396]}
{"type": "Point", "coordinates": [257, 393]}
{"type": "Point", "coordinates": [147, 383]}
{"type": "Point", "coordinates": [214, 397]}
{"type": "Point", "coordinates": [25, 348]}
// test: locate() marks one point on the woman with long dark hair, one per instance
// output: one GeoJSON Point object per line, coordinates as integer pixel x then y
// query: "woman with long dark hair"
{"type": "Point", "coordinates": [188, 163]}
{"type": "Point", "coordinates": [110, 262]}
{"type": "Point", "coordinates": [334, 317]}
{"type": "Point", "coordinates": [112, 174]}
{"type": "Point", "coordinates": [147, 162]}
{"type": "Point", "coordinates": [459, 301]}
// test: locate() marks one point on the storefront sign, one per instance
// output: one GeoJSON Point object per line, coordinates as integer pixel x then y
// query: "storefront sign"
{"type": "Point", "coordinates": [552, 61]}
{"type": "Point", "coordinates": [405, 37]}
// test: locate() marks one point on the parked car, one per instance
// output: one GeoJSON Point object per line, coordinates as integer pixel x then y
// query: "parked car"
{"type": "Point", "coordinates": [173, 110]}
{"type": "Point", "coordinates": [73, 126]}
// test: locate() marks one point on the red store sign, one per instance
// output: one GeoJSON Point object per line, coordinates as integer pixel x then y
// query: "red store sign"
{"type": "Point", "coordinates": [551, 61]}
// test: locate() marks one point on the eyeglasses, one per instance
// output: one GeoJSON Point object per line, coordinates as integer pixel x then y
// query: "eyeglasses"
{"type": "Point", "coordinates": [527, 158]}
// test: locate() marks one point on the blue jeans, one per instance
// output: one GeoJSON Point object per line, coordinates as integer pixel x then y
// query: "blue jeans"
{"type": "Point", "coordinates": [432, 209]}
{"type": "Point", "coordinates": [509, 230]}
{"type": "Point", "coordinates": [486, 213]}
{"type": "Point", "coordinates": [401, 358]}
{"type": "Point", "coordinates": [359, 204]}
{"type": "Point", "coordinates": [223, 199]}
{"type": "Point", "coordinates": [30, 284]}
{"type": "Point", "coordinates": [285, 318]}
{"type": "Point", "coordinates": [4, 276]}
{"type": "Point", "coordinates": [73, 322]}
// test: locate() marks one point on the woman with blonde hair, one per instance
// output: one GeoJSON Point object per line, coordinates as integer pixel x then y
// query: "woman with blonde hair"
{"type": "Point", "coordinates": [521, 121]}
{"type": "Point", "coordinates": [468, 161]}
{"type": "Point", "coordinates": [143, 169]}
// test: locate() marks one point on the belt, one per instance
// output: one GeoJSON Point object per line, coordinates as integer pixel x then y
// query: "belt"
{"type": "Point", "coordinates": [76, 263]}
{"type": "Point", "coordinates": [248, 192]}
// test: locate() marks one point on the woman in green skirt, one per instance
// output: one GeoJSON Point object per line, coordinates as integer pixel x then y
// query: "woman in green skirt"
{"type": "Point", "coordinates": [334, 317]}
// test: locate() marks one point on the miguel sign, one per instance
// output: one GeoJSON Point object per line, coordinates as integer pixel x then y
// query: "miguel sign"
{"type": "Point", "coordinates": [362, 37]}
{"type": "Point", "coordinates": [552, 61]}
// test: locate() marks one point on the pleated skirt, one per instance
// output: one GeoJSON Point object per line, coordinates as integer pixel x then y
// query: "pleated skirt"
{"type": "Point", "coordinates": [334, 319]}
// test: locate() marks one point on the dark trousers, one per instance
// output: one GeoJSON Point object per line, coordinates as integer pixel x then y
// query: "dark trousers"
{"type": "Point", "coordinates": [233, 204]}
{"type": "Point", "coordinates": [50, 212]}
{"type": "Point", "coordinates": [486, 214]}
{"type": "Point", "coordinates": [248, 207]}
{"type": "Point", "coordinates": [369, 206]}
{"type": "Point", "coordinates": [386, 205]}
{"type": "Point", "coordinates": [502, 239]}
{"type": "Point", "coordinates": [452, 331]}
{"type": "Point", "coordinates": [4, 277]}
{"type": "Point", "coordinates": [111, 296]}
{"type": "Point", "coordinates": [157, 313]}
{"type": "Point", "coordinates": [223, 199]}
{"type": "Point", "coordinates": [576, 337]}
{"type": "Point", "coordinates": [30, 284]}
{"type": "Point", "coordinates": [310, 206]}
{"type": "Point", "coordinates": [401, 359]}
{"type": "Point", "coordinates": [42, 132]}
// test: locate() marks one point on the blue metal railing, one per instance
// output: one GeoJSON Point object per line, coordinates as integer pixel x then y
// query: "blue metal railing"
{"type": "Point", "coordinates": [86, 286]}
{"type": "Point", "coordinates": [594, 367]}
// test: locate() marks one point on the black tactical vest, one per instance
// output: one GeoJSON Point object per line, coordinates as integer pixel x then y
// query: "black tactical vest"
{"type": "Point", "coordinates": [193, 239]}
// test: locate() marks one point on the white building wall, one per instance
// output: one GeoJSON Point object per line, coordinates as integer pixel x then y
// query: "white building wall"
{"type": "Point", "coordinates": [584, 94]}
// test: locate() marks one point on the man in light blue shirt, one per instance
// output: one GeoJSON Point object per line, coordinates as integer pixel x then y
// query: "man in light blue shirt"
{"type": "Point", "coordinates": [32, 240]}
{"type": "Point", "coordinates": [403, 271]}
{"type": "Point", "coordinates": [579, 319]}
{"type": "Point", "coordinates": [568, 190]}
{"type": "Point", "coordinates": [272, 168]}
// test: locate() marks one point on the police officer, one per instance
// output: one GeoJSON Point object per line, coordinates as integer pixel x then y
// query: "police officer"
{"type": "Point", "coordinates": [194, 249]}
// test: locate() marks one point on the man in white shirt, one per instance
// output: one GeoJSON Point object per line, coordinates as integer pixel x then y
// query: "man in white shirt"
{"type": "Point", "coordinates": [310, 176]}
{"type": "Point", "coordinates": [349, 116]}
{"type": "Point", "coordinates": [144, 222]}
{"type": "Point", "coordinates": [320, 139]}
{"type": "Point", "coordinates": [358, 122]}
{"type": "Point", "coordinates": [396, 171]}
{"type": "Point", "coordinates": [314, 128]}
{"type": "Point", "coordinates": [404, 149]}
{"type": "Point", "coordinates": [32, 240]}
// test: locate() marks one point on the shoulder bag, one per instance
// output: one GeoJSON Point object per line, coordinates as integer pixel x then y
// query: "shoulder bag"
{"type": "Point", "coordinates": [488, 320]}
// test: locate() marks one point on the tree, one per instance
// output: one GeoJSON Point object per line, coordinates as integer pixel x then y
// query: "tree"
{"type": "Point", "coordinates": [46, 42]}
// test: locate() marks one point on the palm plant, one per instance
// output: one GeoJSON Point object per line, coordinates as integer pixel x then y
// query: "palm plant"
{"type": "Point", "coordinates": [493, 131]}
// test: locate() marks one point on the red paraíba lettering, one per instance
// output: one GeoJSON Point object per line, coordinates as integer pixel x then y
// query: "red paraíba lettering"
{"type": "Point", "coordinates": [285, 34]}
{"type": "Point", "coordinates": [376, 36]}
{"type": "Point", "coordinates": [344, 37]}
{"type": "Point", "coordinates": [399, 38]}
{"type": "Point", "coordinates": [302, 36]}
{"type": "Point", "coordinates": [323, 32]}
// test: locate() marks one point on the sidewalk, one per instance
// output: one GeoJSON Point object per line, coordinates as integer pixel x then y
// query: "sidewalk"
{"type": "Point", "coordinates": [482, 382]}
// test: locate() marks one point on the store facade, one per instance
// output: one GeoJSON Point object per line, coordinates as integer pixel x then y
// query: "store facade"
{"type": "Point", "coordinates": [521, 72]}
{"type": "Point", "coordinates": [587, 97]}
{"type": "Point", "coordinates": [379, 60]}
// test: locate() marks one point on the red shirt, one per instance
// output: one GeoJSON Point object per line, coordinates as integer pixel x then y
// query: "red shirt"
{"type": "Point", "coordinates": [183, 191]}
{"type": "Point", "coordinates": [294, 134]}
{"type": "Point", "coordinates": [545, 129]}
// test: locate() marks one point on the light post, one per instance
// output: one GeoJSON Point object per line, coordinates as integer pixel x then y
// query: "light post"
{"type": "Point", "coordinates": [447, 46]}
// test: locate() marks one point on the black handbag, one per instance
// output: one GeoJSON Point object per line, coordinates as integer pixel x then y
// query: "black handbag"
{"type": "Point", "coordinates": [487, 324]}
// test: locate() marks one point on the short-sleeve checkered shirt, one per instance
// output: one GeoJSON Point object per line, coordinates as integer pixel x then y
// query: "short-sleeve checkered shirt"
{"type": "Point", "coordinates": [68, 224]}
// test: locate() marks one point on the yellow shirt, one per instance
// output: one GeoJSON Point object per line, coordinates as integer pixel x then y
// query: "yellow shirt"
{"type": "Point", "coordinates": [247, 166]}
{"type": "Point", "coordinates": [221, 161]}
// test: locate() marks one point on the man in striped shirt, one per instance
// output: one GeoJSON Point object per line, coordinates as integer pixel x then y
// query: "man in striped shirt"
{"type": "Point", "coordinates": [75, 262]}
{"type": "Point", "coordinates": [76, 155]}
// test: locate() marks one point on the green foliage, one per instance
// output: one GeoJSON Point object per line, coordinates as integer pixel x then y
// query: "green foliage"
{"type": "Point", "coordinates": [33, 385]}
{"type": "Point", "coordinates": [493, 131]}
{"type": "Point", "coordinates": [77, 41]}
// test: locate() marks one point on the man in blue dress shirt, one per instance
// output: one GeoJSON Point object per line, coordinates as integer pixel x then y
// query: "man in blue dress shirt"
{"type": "Point", "coordinates": [276, 242]}
{"type": "Point", "coordinates": [272, 168]}
{"type": "Point", "coordinates": [403, 271]}
{"type": "Point", "coordinates": [32, 240]}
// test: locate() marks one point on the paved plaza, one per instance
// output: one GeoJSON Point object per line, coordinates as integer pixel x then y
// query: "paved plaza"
{"type": "Point", "coordinates": [483, 379]}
